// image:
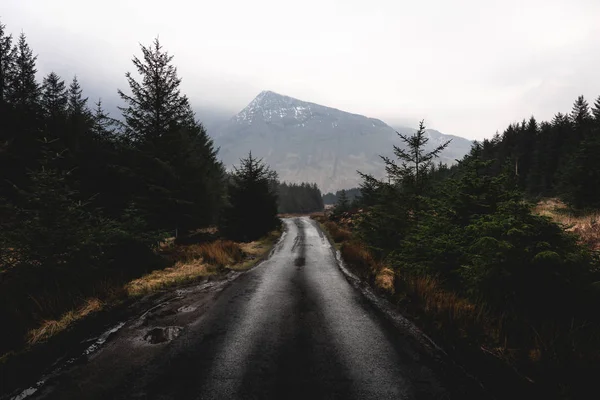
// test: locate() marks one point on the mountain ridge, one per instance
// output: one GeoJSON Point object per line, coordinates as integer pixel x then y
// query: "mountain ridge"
{"type": "Point", "coordinates": [305, 141]}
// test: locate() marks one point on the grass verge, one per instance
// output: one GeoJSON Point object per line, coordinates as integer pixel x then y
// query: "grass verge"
{"type": "Point", "coordinates": [188, 264]}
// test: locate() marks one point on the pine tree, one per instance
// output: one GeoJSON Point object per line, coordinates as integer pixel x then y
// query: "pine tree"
{"type": "Point", "coordinates": [581, 112]}
{"type": "Point", "coordinates": [54, 98]}
{"type": "Point", "coordinates": [103, 126]}
{"type": "Point", "coordinates": [415, 161]}
{"type": "Point", "coordinates": [7, 62]}
{"type": "Point", "coordinates": [156, 104]}
{"type": "Point", "coordinates": [412, 175]}
{"type": "Point", "coordinates": [180, 180]}
{"type": "Point", "coordinates": [77, 104]}
{"type": "Point", "coordinates": [25, 90]}
{"type": "Point", "coordinates": [582, 120]}
{"type": "Point", "coordinates": [252, 211]}
{"type": "Point", "coordinates": [596, 111]}
{"type": "Point", "coordinates": [343, 204]}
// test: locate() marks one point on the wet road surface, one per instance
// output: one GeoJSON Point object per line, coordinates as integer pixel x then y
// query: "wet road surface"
{"type": "Point", "coordinates": [291, 328]}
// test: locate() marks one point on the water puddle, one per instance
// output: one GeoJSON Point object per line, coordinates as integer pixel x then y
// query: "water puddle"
{"type": "Point", "coordinates": [162, 335]}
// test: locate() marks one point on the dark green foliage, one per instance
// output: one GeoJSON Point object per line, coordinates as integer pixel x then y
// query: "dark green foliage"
{"type": "Point", "coordinates": [54, 98]}
{"type": "Point", "coordinates": [473, 230]}
{"type": "Point", "coordinates": [413, 172]}
{"type": "Point", "coordinates": [178, 177]}
{"type": "Point", "coordinates": [596, 111]}
{"type": "Point", "coordinates": [7, 64]}
{"type": "Point", "coordinates": [581, 185]}
{"type": "Point", "coordinates": [342, 205]}
{"type": "Point", "coordinates": [24, 90]}
{"type": "Point", "coordinates": [299, 198]}
{"type": "Point", "coordinates": [84, 199]}
{"type": "Point", "coordinates": [156, 105]}
{"type": "Point", "coordinates": [551, 158]}
{"type": "Point", "coordinates": [252, 209]}
{"type": "Point", "coordinates": [332, 198]}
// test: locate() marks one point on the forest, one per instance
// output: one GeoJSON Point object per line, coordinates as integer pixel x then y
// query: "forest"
{"type": "Point", "coordinates": [300, 198]}
{"type": "Point", "coordinates": [464, 249]}
{"type": "Point", "coordinates": [87, 198]}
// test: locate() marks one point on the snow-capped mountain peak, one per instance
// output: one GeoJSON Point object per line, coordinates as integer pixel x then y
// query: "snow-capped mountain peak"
{"type": "Point", "coordinates": [268, 106]}
{"type": "Point", "coordinates": [309, 142]}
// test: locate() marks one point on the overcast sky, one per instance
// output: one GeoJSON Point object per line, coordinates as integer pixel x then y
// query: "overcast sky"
{"type": "Point", "coordinates": [468, 67]}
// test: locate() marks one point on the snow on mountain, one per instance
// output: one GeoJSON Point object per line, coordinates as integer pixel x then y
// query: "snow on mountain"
{"type": "Point", "coordinates": [308, 142]}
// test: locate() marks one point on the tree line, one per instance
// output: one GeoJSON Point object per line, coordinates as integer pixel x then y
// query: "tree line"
{"type": "Point", "coordinates": [350, 194]}
{"type": "Point", "coordinates": [299, 198]}
{"type": "Point", "coordinates": [553, 158]}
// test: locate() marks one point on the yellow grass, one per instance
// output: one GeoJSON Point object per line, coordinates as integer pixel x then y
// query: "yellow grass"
{"type": "Point", "coordinates": [384, 280]}
{"type": "Point", "coordinates": [587, 226]}
{"type": "Point", "coordinates": [181, 272]}
{"type": "Point", "coordinates": [190, 263]}
{"type": "Point", "coordinates": [50, 328]}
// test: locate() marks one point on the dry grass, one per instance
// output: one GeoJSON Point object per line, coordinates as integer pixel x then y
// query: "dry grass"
{"type": "Point", "coordinates": [384, 280]}
{"type": "Point", "coordinates": [359, 258]}
{"type": "Point", "coordinates": [181, 272]}
{"type": "Point", "coordinates": [338, 234]}
{"type": "Point", "coordinates": [50, 328]}
{"type": "Point", "coordinates": [219, 253]}
{"type": "Point", "coordinates": [450, 312]}
{"type": "Point", "coordinates": [587, 226]}
{"type": "Point", "coordinates": [190, 263]}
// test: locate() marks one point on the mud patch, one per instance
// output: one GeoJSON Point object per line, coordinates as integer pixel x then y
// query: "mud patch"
{"type": "Point", "coordinates": [300, 261]}
{"type": "Point", "coordinates": [162, 335]}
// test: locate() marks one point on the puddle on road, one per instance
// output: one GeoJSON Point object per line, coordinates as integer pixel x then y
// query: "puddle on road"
{"type": "Point", "coordinates": [186, 309]}
{"type": "Point", "coordinates": [162, 335]}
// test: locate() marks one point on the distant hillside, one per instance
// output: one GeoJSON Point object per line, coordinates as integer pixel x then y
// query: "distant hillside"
{"type": "Point", "coordinates": [304, 141]}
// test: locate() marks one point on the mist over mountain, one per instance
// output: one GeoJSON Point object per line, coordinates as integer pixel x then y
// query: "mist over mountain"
{"type": "Point", "coordinates": [304, 141]}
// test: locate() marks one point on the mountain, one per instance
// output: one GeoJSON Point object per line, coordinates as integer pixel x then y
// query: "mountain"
{"type": "Point", "coordinates": [304, 141]}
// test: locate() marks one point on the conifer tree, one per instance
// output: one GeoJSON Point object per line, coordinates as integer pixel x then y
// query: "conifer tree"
{"type": "Point", "coordinates": [343, 204]}
{"type": "Point", "coordinates": [156, 104]}
{"type": "Point", "coordinates": [179, 176]}
{"type": "Point", "coordinates": [54, 99]}
{"type": "Point", "coordinates": [103, 126]}
{"type": "Point", "coordinates": [580, 114]}
{"type": "Point", "coordinates": [412, 173]}
{"type": "Point", "coordinates": [596, 111]}
{"type": "Point", "coordinates": [77, 104]}
{"type": "Point", "coordinates": [25, 90]}
{"type": "Point", "coordinates": [7, 62]}
{"type": "Point", "coordinates": [252, 210]}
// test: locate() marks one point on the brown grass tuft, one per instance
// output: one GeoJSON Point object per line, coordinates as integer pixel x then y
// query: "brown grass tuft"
{"type": "Point", "coordinates": [338, 234]}
{"type": "Point", "coordinates": [359, 258]}
{"type": "Point", "coordinates": [384, 280]}
{"type": "Point", "coordinates": [50, 328]}
{"type": "Point", "coordinates": [220, 253]}
{"type": "Point", "coordinates": [181, 272]}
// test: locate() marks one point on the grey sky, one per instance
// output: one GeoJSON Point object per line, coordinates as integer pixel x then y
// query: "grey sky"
{"type": "Point", "coordinates": [468, 67]}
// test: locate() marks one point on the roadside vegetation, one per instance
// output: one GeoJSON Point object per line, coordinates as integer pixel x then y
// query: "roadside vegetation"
{"type": "Point", "coordinates": [491, 275]}
{"type": "Point", "coordinates": [96, 209]}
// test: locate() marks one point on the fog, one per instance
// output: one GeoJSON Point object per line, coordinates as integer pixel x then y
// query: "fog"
{"type": "Point", "coordinates": [468, 67]}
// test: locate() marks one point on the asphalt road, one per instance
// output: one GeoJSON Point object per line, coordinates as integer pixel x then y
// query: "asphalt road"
{"type": "Point", "coordinates": [291, 328]}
